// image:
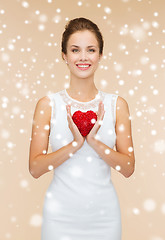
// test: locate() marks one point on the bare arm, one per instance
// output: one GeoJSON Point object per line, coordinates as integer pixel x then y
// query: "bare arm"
{"type": "Point", "coordinates": [39, 161]}
{"type": "Point", "coordinates": [123, 159]}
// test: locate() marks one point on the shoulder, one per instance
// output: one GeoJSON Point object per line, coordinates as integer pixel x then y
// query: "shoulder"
{"type": "Point", "coordinates": [122, 108]}
{"type": "Point", "coordinates": [121, 102]}
{"type": "Point", "coordinates": [44, 102]}
{"type": "Point", "coordinates": [49, 100]}
{"type": "Point", "coordinates": [43, 108]}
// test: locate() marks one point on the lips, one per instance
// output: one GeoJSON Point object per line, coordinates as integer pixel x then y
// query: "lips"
{"type": "Point", "coordinates": [83, 66]}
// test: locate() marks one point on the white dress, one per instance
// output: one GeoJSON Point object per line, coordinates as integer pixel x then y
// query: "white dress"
{"type": "Point", "coordinates": [81, 202]}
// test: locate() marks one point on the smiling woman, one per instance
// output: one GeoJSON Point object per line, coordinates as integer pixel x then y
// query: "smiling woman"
{"type": "Point", "coordinates": [81, 203]}
{"type": "Point", "coordinates": [82, 54]}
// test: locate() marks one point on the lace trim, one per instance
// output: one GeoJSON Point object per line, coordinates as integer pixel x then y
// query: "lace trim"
{"type": "Point", "coordinates": [82, 105]}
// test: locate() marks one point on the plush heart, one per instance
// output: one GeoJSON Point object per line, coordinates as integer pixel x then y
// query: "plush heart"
{"type": "Point", "coordinates": [84, 121]}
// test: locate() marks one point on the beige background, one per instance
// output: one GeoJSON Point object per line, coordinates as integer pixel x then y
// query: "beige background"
{"type": "Point", "coordinates": [133, 67]}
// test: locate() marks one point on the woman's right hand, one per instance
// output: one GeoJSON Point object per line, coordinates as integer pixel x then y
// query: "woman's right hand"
{"type": "Point", "coordinates": [74, 129]}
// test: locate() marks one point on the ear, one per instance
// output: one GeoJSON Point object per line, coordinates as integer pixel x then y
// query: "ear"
{"type": "Point", "coordinates": [100, 57]}
{"type": "Point", "coordinates": [64, 56]}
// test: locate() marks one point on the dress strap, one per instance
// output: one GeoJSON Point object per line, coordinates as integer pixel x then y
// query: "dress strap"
{"type": "Point", "coordinates": [113, 105]}
{"type": "Point", "coordinates": [52, 104]}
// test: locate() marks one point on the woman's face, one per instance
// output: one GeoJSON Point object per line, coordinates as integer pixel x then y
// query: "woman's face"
{"type": "Point", "coordinates": [82, 53]}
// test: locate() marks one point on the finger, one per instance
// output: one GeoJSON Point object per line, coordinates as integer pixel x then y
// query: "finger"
{"type": "Point", "coordinates": [102, 112]}
{"type": "Point", "coordinates": [101, 106]}
{"type": "Point", "coordinates": [100, 119]}
{"type": "Point", "coordinates": [68, 117]}
{"type": "Point", "coordinates": [68, 113]}
{"type": "Point", "coordinates": [103, 115]}
{"type": "Point", "coordinates": [100, 109]}
{"type": "Point", "coordinates": [68, 109]}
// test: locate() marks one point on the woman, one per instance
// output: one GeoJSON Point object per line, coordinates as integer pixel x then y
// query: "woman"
{"type": "Point", "coordinates": [81, 202]}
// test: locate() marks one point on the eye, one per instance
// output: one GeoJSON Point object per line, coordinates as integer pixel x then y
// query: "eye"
{"type": "Point", "coordinates": [92, 50]}
{"type": "Point", "coordinates": [74, 50]}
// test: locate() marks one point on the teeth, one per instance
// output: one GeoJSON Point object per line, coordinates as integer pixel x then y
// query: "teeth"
{"type": "Point", "coordinates": [84, 66]}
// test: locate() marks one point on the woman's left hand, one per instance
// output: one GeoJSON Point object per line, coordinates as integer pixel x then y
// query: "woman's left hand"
{"type": "Point", "coordinates": [98, 123]}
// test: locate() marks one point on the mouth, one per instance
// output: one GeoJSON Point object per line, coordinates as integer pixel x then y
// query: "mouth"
{"type": "Point", "coordinates": [83, 66]}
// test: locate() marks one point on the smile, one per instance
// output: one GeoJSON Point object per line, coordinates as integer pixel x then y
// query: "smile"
{"type": "Point", "coordinates": [83, 66]}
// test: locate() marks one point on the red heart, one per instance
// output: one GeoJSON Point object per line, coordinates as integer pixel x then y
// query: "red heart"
{"type": "Point", "coordinates": [84, 121]}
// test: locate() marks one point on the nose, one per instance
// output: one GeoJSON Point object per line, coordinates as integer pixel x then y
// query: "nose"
{"type": "Point", "coordinates": [83, 56]}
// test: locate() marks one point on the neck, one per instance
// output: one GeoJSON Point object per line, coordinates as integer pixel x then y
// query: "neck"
{"type": "Point", "coordinates": [82, 88]}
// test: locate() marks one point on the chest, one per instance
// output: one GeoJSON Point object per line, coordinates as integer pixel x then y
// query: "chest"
{"type": "Point", "coordinates": [60, 133]}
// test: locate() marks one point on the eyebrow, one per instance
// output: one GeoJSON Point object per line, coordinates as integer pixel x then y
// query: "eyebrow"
{"type": "Point", "coordinates": [78, 46]}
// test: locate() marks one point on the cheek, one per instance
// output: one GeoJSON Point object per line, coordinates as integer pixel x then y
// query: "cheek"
{"type": "Point", "coordinates": [72, 58]}
{"type": "Point", "coordinates": [95, 58]}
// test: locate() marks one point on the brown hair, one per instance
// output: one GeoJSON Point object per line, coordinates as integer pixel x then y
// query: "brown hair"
{"type": "Point", "coordinates": [81, 24]}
